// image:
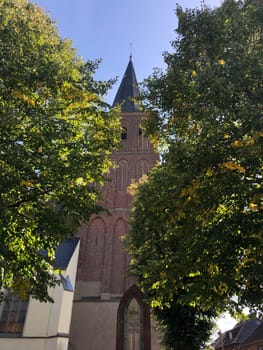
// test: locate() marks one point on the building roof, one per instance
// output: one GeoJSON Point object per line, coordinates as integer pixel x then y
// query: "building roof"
{"type": "Point", "coordinates": [239, 334]}
{"type": "Point", "coordinates": [128, 90]}
{"type": "Point", "coordinates": [256, 336]}
{"type": "Point", "coordinates": [64, 253]}
{"type": "Point", "coordinates": [246, 329]}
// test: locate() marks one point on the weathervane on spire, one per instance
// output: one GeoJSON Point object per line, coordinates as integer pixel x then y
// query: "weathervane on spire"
{"type": "Point", "coordinates": [130, 51]}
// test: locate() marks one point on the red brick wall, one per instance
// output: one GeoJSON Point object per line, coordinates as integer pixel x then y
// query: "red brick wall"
{"type": "Point", "coordinates": [102, 255]}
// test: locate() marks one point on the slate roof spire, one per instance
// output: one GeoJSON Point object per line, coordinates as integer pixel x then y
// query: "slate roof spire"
{"type": "Point", "coordinates": [128, 90]}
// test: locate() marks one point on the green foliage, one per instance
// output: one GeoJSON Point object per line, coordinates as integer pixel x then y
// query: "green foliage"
{"type": "Point", "coordinates": [201, 209]}
{"type": "Point", "coordinates": [184, 327]}
{"type": "Point", "coordinates": [55, 139]}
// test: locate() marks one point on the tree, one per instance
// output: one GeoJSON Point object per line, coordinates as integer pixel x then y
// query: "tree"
{"type": "Point", "coordinates": [154, 248]}
{"type": "Point", "coordinates": [56, 135]}
{"type": "Point", "coordinates": [184, 327]}
{"type": "Point", "coordinates": [201, 208]}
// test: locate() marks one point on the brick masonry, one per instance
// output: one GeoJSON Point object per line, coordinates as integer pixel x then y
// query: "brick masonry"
{"type": "Point", "coordinates": [103, 285]}
{"type": "Point", "coordinates": [103, 259]}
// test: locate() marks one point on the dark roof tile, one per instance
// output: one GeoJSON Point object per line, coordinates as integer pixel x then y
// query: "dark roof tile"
{"type": "Point", "coordinates": [128, 90]}
{"type": "Point", "coordinates": [239, 334]}
{"type": "Point", "coordinates": [64, 253]}
{"type": "Point", "coordinates": [257, 335]}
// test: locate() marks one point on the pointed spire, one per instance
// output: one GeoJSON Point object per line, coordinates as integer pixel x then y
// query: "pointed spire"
{"type": "Point", "coordinates": [128, 90]}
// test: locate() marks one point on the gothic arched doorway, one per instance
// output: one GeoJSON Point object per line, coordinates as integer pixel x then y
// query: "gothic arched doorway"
{"type": "Point", "coordinates": [133, 322]}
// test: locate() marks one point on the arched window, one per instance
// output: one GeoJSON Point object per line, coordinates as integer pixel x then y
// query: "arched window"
{"type": "Point", "coordinates": [133, 322]}
{"type": "Point", "coordinates": [118, 276]}
{"type": "Point", "coordinates": [122, 175]}
{"type": "Point", "coordinates": [142, 167]}
{"type": "Point", "coordinates": [122, 182]}
{"type": "Point", "coordinates": [124, 133]}
{"type": "Point", "coordinates": [94, 250]}
{"type": "Point", "coordinates": [143, 142]}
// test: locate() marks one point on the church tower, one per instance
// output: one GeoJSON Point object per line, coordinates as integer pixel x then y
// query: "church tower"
{"type": "Point", "coordinates": [108, 310]}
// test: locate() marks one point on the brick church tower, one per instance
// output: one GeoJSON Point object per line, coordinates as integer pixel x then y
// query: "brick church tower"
{"type": "Point", "coordinates": [108, 310]}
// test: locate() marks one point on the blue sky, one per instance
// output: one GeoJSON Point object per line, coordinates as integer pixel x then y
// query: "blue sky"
{"type": "Point", "coordinates": [106, 28]}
